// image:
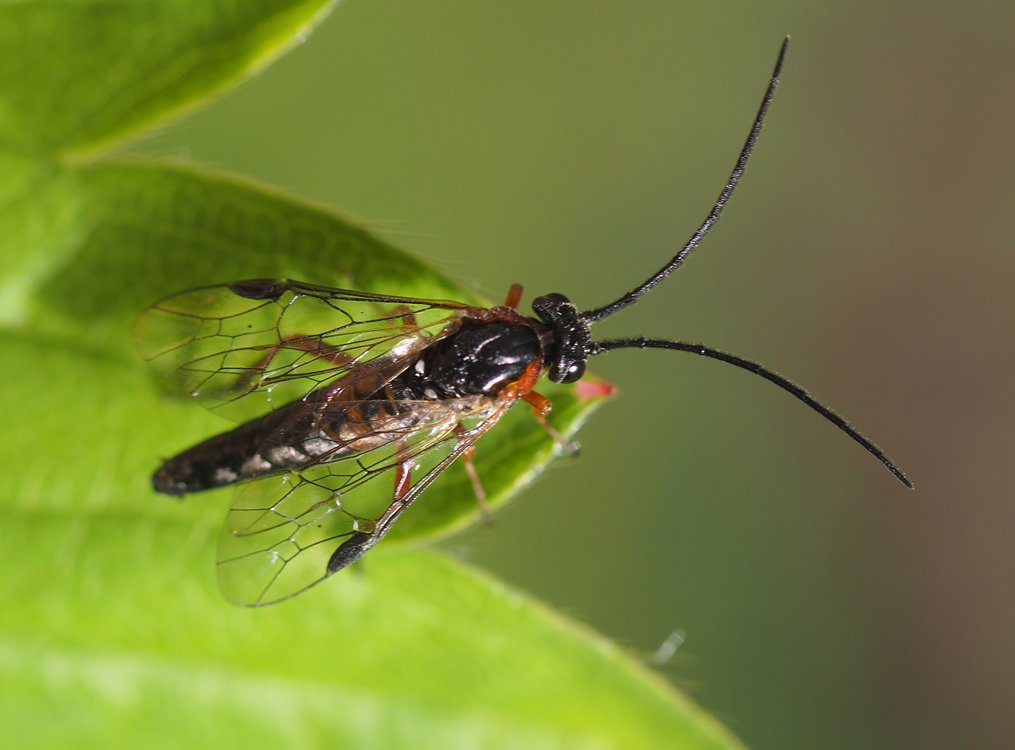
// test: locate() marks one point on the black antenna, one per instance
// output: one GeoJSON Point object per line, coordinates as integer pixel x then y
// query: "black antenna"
{"type": "Point", "coordinates": [713, 216]}
{"type": "Point", "coordinates": [787, 385]}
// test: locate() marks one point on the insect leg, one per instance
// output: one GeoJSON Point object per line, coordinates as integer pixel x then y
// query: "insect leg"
{"type": "Point", "coordinates": [361, 542]}
{"type": "Point", "coordinates": [370, 532]}
{"type": "Point", "coordinates": [470, 468]}
{"type": "Point", "coordinates": [403, 473]}
{"type": "Point", "coordinates": [406, 493]}
{"type": "Point", "coordinates": [314, 346]}
{"type": "Point", "coordinates": [514, 296]}
{"type": "Point", "coordinates": [540, 408]}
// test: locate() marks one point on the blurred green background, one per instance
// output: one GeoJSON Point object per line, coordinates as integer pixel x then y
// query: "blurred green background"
{"type": "Point", "coordinates": [572, 146]}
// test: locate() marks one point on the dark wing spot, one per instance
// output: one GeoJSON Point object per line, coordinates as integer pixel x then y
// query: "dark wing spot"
{"type": "Point", "coordinates": [351, 550]}
{"type": "Point", "coordinates": [259, 289]}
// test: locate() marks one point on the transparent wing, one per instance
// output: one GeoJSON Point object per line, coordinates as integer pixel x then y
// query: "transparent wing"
{"type": "Point", "coordinates": [287, 532]}
{"type": "Point", "coordinates": [247, 347]}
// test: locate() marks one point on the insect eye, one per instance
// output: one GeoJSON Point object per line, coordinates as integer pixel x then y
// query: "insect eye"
{"type": "Point", "coordinates": [573, 372]}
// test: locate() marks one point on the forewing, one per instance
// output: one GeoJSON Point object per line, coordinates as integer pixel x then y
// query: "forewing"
{"type": "Point", "coordinates": [247, 347]}
{"type": "Point", "coordinates": [282, 531]}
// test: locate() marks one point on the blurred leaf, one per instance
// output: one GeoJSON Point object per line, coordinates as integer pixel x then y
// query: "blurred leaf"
{"type": "Point", "coordinates": [415, 651]}
{"type": "Point", "coordinates": [116, 632]}
{"type": "Point", "coordinates": [78, 76]}
{"type": "Point", "coordinates": [162, 228]}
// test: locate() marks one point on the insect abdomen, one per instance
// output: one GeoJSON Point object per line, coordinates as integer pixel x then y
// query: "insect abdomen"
{"type": "Point", "coordinates": [294, 437]}
{"type": "Point", "coordinates": [248, 451]}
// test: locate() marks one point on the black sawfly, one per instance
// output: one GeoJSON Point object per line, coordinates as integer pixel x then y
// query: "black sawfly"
{"type": "Point", "coordinates": [370, 396]}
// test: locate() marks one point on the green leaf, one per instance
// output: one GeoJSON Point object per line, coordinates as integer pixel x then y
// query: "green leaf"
{"type": "Point", "coordinates": [77, 76]}
{"type": "Point", "coordinates": [414, 651]}
{"type": "Point", "coordinates": [113, 631]}
{"type": "Point", "coordinates": [164, 228]}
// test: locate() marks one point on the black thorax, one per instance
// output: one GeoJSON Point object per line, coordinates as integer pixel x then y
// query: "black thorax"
{"type": "Point", "coordinates": [479, 359]}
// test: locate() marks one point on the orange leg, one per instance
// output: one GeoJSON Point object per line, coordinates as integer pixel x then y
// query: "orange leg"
{"type": "Point", "coordinates": [514, 296]}
{"type": "Point", "coordinates": [309, 344]}
{"type": "Point", "coordinates": [403, 480]}
{"type": "Point", "coordinates": [477, 486]}
{"type": "Point", "coordinates": [540, 408]}
{"type": "Point", "coordinates": [314, 346]}
{"type": "Point", "coordinates": [403, 472]}
{"type": "Point", "coordinates": [540, 404]}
